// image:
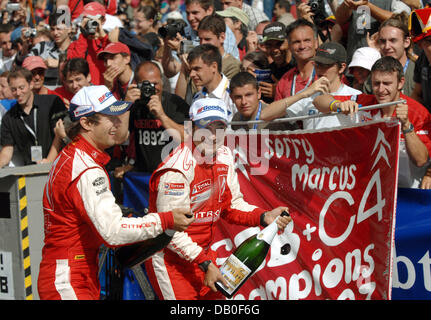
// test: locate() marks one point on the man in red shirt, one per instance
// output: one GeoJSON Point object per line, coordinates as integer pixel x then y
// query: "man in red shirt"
{"type": "Point", "coordinates": [75, 74]}
{"type": "Point", "coordinates": [303, 43]}
{"type": "Point", "coordinates": [91, 42]}
{"type": "Point", "coordinates": [119, 74]}
{"type": "Point", "coordinates": [387, 80]}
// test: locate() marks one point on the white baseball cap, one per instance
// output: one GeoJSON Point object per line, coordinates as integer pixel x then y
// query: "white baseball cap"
{"type": "Point", "coordinates": [95, 99]}
{"type": "Point", "coordinates": [365, 57]}
{"type": "Point", "coordinates": [208, 110]}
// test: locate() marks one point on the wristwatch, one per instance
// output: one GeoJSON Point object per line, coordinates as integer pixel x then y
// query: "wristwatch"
{"type": "Point", "coordinates": [410, 129]}
{"type": "Point", "coordinates": [204, 265]}
{"type": "Point", "coordinates": [262, 220]}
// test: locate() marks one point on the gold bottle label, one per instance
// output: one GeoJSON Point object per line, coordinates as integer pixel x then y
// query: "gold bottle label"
{"type": "Point", "coordinates": [235, 272]}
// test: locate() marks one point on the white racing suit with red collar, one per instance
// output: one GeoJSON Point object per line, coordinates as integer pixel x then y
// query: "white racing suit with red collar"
{"type": "Point", "coordinates": [80, 214]}
{"type": "Point", "coordinates": [212, 191]}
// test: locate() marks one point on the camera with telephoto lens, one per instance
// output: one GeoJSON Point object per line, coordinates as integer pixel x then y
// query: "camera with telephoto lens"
{"type": "Point", "coordinates": [318, 8]}
{"type": "Point", "coordinates": [148, 89]}
{"type": "Point", "coordinates": [171, 29]}
{"type": "Point", "coordinates": [90, 28]}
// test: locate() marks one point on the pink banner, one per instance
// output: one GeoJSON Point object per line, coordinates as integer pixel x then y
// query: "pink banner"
{"type": "Point", "coordinates": [340, 186]}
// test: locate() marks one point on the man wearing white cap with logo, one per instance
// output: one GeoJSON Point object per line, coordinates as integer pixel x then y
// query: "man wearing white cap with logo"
{"type": "Point", "coordinates": [200, 173]}
{"type": "Point", "coordinates": [79, 209]}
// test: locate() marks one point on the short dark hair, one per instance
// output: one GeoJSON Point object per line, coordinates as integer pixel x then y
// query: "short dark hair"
{"type": "Point", "coordinates": [388, 64]}
{"type": "Point", "coordinates": [241, 79]}
{"type": "Point", "coordinates": [258, 58]}
{"type": "Point", "coordinates": [215, 24]}
{"type": "Point", "coordinates": [76, 65]}
{"type": "Point", "coordinates": [149, 13]}
{"type": "Point", "coordinates": [300, 23]}
{"type": "Point", "coordinates": [74, 128]}
{"type": "Point", "coordinates": [208, 53]}
{"type": "Point", "coordinates": [6, 28]}
{"type": "Point", "coordinates": [20, 72]}
{"type": "Point", "coordinates": [284, 4]}
{"type": "Point", "coordinates": [205, 4]}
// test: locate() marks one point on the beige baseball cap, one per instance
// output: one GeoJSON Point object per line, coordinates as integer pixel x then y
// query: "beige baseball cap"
{"type": "Point", "coordinates": [234, 12]}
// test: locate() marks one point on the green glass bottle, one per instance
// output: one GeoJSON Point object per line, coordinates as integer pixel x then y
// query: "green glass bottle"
{"type": "Point", "coordinates": [245, 260]}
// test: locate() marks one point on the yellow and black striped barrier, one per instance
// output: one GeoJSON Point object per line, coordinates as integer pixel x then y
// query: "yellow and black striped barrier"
{"type": "Point", "coordinates": [25, 242]}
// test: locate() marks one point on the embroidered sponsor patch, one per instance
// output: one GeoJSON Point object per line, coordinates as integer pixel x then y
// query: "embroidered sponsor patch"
{"type": "Point", "coordinates": [99, 181]}
{"type": "Point", "coordinates": [207, 216]}
{"type": "Point", "coordinates": [210, 108]}
{"type": "Point", "coordinates": [174, 186]}
{"type": "Point", "coordinates": [222, 168]}
{"type": "Point", "coordinates": [118, 108]}
{"type": "Point", "coordinates": [105, 97]}
{"type": "Point", "coordinates": [79, 257]}
{"type": "Point", "coordinates": [99, 192]}
{"type": "Point", "coordinates": [201, 186]}
{"type": "Point", "coordinates": [200, 197]}
{"type": "Point", "coordinates": [174, 193]}
{"type": "Point", "coordinates": [83, 110]}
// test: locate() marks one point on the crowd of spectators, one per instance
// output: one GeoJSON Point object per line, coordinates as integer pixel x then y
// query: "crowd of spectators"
{"type": "Point", "coordinates": [264, 59]}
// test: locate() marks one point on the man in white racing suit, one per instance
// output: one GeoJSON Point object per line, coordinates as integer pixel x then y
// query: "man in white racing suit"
{"type": "Point", "coordinates": [199, 173]}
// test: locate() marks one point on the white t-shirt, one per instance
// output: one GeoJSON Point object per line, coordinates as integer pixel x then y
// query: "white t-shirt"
{"type": "Point", "coordinates": [222, 93]}
{"type": "Point", "coordinates": [305, 107]}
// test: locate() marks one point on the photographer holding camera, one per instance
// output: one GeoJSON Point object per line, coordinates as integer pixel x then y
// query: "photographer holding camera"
{"type": "Point", "coordinates": [173, 34]}
{"type": "Point", "coordinates": [156, 120]}
{"type": "Point", "coordinates": [92, 40]}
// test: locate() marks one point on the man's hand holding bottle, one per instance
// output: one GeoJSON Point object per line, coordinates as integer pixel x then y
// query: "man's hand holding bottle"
{"type": "Point", "coordinates": [282, 222]}
{"type": "Point", "coordinates": [183, 217]}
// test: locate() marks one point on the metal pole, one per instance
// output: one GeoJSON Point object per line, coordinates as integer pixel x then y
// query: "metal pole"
{"type": "Point", "coordinates": [319, 115]}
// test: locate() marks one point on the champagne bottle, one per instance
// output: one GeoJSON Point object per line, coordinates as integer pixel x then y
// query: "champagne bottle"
{"type": "Point", "coordinates": [245, 260]}
{"type": "Point", "coordinates": [130, 255]}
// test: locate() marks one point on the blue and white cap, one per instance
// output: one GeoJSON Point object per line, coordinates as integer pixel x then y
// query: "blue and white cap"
{"type": "Point", "coordinates": [95, 99]}
{"type": "Point", "coordinates": [208, 110]}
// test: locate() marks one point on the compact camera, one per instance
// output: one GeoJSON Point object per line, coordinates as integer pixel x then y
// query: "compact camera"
{"type": "Point", "coordinates": [148, 89]}
{"type": "Point", "coordinates": [186, 46]}
{"type": "Point", "coordinates": [90, 28]}
{"type": "Point", "coordinates": [30, 33]}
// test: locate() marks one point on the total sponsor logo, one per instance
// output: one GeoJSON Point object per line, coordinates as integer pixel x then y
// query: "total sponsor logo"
{"type": "Point", "coordinates": [174, 189]}
{"type": "Point", "coordinates": [174, 186]}
{"type": "Point", "coordinates": [201, 186]}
